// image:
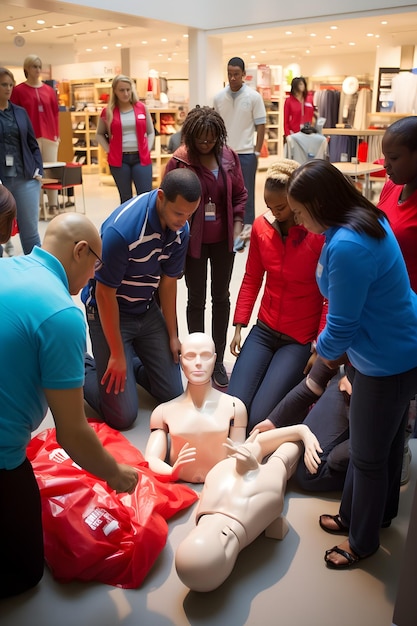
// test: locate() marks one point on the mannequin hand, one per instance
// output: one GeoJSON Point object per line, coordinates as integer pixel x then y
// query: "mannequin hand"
{"type": "Point", "coordinates": [115, 375]}
{"type": "Point", "coordinates": [311, 450]}
{"type": "Point", "coordinates": [185, 455]}
{"type": "Point", "coordinates": [263, 426]}
{"type": "Point", "coordinates": [235, 344]}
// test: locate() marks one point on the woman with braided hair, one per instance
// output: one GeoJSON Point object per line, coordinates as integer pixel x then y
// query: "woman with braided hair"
{"type": "Point", "coordinates": [216, 223]}
{"type": "Point", "coordinates": [274, 355]}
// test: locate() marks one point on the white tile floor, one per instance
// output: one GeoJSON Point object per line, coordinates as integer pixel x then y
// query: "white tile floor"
{"type": "Point", "coordinates": [273, 582]}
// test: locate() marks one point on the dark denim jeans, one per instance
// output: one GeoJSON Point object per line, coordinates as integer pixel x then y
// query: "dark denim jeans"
{"type": "Point", "coordinates": [130, 172]}
{"type": "Point", "coordinates": [249, 165]}
{"type": "Point", "coordinates": [144, 336]}
{"type": "Point", "coordinates": [265, 371]}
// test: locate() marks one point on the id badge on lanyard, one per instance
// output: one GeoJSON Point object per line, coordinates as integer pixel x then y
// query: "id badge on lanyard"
{"type": "Point", "coordinates": [209, 211]}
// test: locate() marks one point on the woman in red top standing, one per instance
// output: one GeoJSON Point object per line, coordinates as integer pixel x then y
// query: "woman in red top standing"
{"type": "Point", "coordinates": [126, 132]}
{"type": "Point", "coordinates": [298, 109]}
{"type": "Point", "coordinates": [41, 104]}
{"type": "Point", "coordinates": [277, 348]}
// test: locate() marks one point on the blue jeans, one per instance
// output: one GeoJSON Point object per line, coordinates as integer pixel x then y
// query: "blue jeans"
{"type": "Point", "coordinates": [249, 165]}
{"type": "Point", "coordinates": [265, 371]}
{"type": "Point", "coordinates": [378, 416]}
{"type": "Point", "coordinates": [221, 266]}
{"type": "Point", "coordinates": [131, 171]}
{"type": "Point", "coordinates": [26, 193]}
{"type": "Point", "coordinates": [144, 336]}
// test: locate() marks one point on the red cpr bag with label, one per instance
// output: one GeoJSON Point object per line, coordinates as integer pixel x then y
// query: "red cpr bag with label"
{"type": "Point", "coordinates": [90, 532]}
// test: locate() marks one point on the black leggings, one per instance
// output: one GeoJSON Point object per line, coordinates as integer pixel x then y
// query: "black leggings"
{"type": "Point", "coordinates": [22, 555]}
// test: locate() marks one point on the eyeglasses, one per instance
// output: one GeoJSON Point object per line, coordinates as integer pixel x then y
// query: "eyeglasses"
{"type": "Point", "coordinates": [99, 261]}
{"type": "Point", "coordinates": [206, 142]}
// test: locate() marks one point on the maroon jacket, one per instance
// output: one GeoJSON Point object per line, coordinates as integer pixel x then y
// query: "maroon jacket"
{"type": "Point", "coordinates": [236, 194]}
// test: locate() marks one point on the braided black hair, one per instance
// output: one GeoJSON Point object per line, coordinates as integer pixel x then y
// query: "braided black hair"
{"type": "Point", "coordinates": [198, 122]}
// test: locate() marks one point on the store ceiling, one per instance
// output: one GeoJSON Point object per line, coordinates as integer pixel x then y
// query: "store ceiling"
{"type": "Point", "coordinates": [162, 42]}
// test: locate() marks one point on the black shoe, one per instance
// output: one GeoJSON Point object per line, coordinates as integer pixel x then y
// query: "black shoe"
{"type": "Point", "coordinates": [220, 377]}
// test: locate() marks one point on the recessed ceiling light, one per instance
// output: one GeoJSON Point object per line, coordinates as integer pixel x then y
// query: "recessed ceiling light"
{"type": "Point", "coordinates": [328, 37]}
{"type": "Point", "coordinates": [120, 27]}
{"type": "Point", "coordinates": [377, 36]}
{"type": "Point", "coordinates": [313, 35]}
{"type": "Point", "coordinates": [185, 36]}
{"type": "Point", "coordinates": [163, 39]}
{"type": "Point", "coordinates": [40, 21]}
{"type": "Point", "coordinates": [9, 27]}
{"type": "Point", "coordinates": [105, 47]}
{"type": "Point", "coordinates": [384, 22]}
{"type": "Point", "coordinates": [352, 43]}
{"type": "Point", "coordinates": [252, 56]}
{"type": "Point", "coordinates": [307, 51]}
{"type": "Point", "coordinates": [88, 49]}
{"type": "Point", "coordinates": [333, 46]}
{"type": "Point", "coordinates": [288, 32]}
{"type": "Point", "coordinates": [144, 42]}
{"type": "Point", "coordinates": [369, 34]}
{"type": "Point", "coordinates": [118, 45]}
{"type": "Point", "coordinates": [262, 51]}
{"type": "Point", "coordinates": [333, 27]}
{"type": "Point", "coordinates": [249, 36]}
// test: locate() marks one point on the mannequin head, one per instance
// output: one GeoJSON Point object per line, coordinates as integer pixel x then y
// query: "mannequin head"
{"type": "Point", "coordinates": [208, 554]}
{"type": "Point", "coordinates": [198, 358]}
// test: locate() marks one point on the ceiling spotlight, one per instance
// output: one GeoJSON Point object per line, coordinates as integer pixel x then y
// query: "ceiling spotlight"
{"type": "Point", "coordinates": [40, 21]}
{"type": "Point", "coordinates": [9, 27]}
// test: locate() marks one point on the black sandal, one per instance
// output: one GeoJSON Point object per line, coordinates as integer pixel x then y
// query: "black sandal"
{"type": "Point", "coordinates": [341, 528]}
{"type": "Point", "coordinates": [351, 559]}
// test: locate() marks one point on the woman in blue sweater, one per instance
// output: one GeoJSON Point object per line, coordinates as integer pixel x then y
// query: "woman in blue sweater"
{"type": "Point", "coordinates": [372, 317]}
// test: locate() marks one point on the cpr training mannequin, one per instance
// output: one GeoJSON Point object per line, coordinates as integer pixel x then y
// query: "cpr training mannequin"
{"type": "Point", "coordinates": [195, 425]}
{"type": "Point", "coordinates": [241, 498]}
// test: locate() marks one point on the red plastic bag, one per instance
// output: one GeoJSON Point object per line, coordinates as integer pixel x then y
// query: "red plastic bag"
{"type": "Point", "coordinates": [92, 533]}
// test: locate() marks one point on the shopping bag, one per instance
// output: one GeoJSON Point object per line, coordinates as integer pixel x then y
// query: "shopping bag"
{"type": "Point", "coordinates": [90, 532]}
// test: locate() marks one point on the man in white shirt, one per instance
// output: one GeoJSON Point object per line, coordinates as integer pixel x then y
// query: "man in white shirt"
{"type": "Point", "coordinates": [243, 112]}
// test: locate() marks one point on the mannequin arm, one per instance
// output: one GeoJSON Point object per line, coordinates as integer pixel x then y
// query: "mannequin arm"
{"type": "Point", "coordinates": [156, 451]}
{"type": "Point", "coordinates": [237, 432]}
{"type": "Point", "coordinates": [266, 442]}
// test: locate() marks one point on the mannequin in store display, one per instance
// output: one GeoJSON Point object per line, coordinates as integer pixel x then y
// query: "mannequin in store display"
{"type": "Point", "coordinates": [198, 422]}
{"type": "Point", "coordinates": [298, 109]}
{"type": "Point", "coordinates": [305, 145]}
{"type": "Point", "coordinates": [41, 103]}
{"type": "Point", "coordinates": [241, 498]}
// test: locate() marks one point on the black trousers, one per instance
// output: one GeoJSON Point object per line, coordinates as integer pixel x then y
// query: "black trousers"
{"type": "Point", "coordinates": [21, 536]}
{"type": "Point", "coordinates": [221, 266]}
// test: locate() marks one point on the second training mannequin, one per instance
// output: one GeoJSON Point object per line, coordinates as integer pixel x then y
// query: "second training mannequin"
{"type": "Point", "coordinates": [194, 426]}
{"type": "Point", "coordinates": [241, 498]}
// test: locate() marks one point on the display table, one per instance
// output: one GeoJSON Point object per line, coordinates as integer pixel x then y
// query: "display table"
{"type": "Point", "coordinates": [359, 169]}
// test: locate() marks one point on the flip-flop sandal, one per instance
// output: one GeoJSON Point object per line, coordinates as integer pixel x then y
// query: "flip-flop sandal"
{"type": "Point", "coordinates": [341, 528]}
{"type": "Point", "coordinates": [351, 559]}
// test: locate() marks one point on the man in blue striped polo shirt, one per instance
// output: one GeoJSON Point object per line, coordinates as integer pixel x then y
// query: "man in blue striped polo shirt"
{"type": "Point", "coordinates": [135, 338]}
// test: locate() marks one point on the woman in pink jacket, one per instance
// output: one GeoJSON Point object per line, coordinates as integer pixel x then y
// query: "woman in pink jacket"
{"type": "Point", "coordinates": [126, 132]}
{"type": "Point", "coordinates": [277, 348]}
{"type": "Point", "coordinates": [214, 226]}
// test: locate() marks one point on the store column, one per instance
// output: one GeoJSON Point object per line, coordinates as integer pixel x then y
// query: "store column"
{"type": "Point", "coordinates": [205, 70]}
